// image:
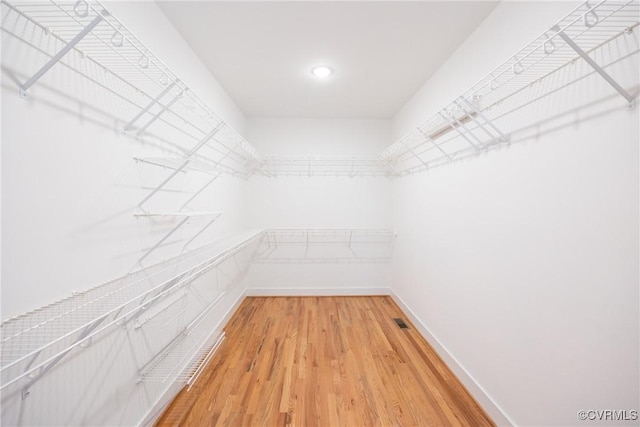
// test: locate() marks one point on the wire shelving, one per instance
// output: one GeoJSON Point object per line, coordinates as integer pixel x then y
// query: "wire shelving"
{"type": "Point", "coordinates": [33, 343]}
{"type": "Point", "coordinates": [84, 36]}
{"type": "Point", "coordinates": [309, 166]}
{"type": "Point", "coordinates": [184, 360]}
{"type": "Point", "coordinates": [174, 163]}
{"type": "Point", "coordinates": [94, 43]}
{"type": "Point", "coordinates": [185, 217]}
{"type": "Point", "coordinates": [469, 124]}
{"type": "Point", "coordinates": [330, 246]}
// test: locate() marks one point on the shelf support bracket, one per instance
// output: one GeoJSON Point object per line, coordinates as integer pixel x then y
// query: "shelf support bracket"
{"type": "Point", "coordinates": [454, 127]}
{"type": "Point", "coordinates": [166, 236]}
{"type": "Point", "coordinates": [268, 249]}
{"type": "Point", "coordinates": [201, 231]}
{"type": "Point", "coordinates": [44, 369]}
{"type": "Point", "coordinates": [468, 131]}
{"type": "Point", "coordinates": [390, 167]}
{"type": "Point", "coordinates": [626, 95]}
{"type": "Point", "coordinates": [476, 113]}
{"type": "Point", "coordinates": [58, 56]}
{"type": "Point", "coordinates": [129, 125]}
{"type": "Point", "coordinates": [229, 152]}
{"type": "Point", "coordinates": [158, 114]}
{"type": "Point", "coordinates": [183, 165]}
{"type": "Point", "coordinates": [275, 246]}
{"type": "Point", "coordinates": [413, 153]}
{"type": "Point", "coordinates": [144, 370]}
{"type": "Point", "coordinates": [349, 243]}
{"type": "Point", "coordinates": [426, 137]}
{"type": "Point", "coordinates": [197, 193]}
{"type": "Point", "coordinates": [150, 299]}
{"type": "Point", "coordinates": [306, 249]}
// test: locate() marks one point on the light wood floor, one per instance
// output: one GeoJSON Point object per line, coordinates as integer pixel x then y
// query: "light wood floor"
{"type": "Point", "coordinates": [326, 361]}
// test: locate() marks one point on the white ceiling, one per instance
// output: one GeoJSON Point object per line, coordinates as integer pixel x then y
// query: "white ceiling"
{"type": "Point", "coordinates": [381, 52]}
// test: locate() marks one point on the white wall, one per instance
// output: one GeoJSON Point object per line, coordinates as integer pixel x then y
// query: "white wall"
{"type": "Point", "coordinates": [522, 264]}
{"type": "Point", "coordinates": [318, 202]}
{"type": "Point", "coordinates": [70, 187]}
{"type": "Point", "coordinates": [71, 182]}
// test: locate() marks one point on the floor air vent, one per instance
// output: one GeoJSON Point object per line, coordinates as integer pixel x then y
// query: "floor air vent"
{"type": "Point", "coordinates": [400, 323]}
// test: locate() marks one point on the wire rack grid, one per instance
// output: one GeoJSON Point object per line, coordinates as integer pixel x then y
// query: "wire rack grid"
{"type": "Point", "coordinates": [309, 166]}
{"type": "Point", "coordinates": [467, 125]}
{"type": "Point", "coordinates": [114, 58]}
{"type": "Point", "coordinates": [327, 246]}
{"type": "Point", "coordinates": [34, 341]}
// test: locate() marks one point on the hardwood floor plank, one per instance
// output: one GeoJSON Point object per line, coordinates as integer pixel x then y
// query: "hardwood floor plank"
{"type": "Point", "coordinates": [324, 361]}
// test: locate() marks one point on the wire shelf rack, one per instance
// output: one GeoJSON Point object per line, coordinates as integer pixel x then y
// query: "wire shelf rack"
{"type": "Point", "coordinates": [84, 36]}
{"type": "Point", "coordinates": [183, 217]}
{"type": "Point", "coordinates": [184, 360]}
{"type": "Point", "coordinates": [34, 342]}
{"type": "Point", "coordinates": [275, 166]}
{"type": "Point", "coordinates": [184, 357]}
{"type": "Point", "coordinates": [107, 53]}
{"type": "Point", "coordinates": [174, 163]}
{"type": "Point", "coordinates": [331, 246]}
{"type": "Point", "coordinates": [470, 123]}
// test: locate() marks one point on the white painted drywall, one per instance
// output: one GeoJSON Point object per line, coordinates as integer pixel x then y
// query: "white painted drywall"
{"type": "Point", "coordinates": [318, 202]}
{"type": "Point", "coordinates": [70, 187]}
{"type": "Point", "coordinates": [69, 173]}
{"type": "Point", "coordinates": [523, 262]}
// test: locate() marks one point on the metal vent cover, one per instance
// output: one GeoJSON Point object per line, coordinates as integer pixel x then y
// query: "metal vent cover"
{"type": "Point", "coordinates": [400, 323]}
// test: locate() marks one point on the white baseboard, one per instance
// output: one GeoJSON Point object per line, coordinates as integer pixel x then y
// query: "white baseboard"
{"type": "Point", "coordinates": [498, 415]}
{"type": "Point", "coordinates": [161, 403]}
{"type": "Point", "coordinates": [306, 292]}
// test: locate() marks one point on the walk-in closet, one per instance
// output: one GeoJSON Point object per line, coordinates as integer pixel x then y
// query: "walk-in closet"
{"type": "Point", "coordinates": [320, 213]}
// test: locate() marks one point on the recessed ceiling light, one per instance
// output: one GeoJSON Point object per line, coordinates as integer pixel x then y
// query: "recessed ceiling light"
{"type": "Point", "coordinates": [321, 71]}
